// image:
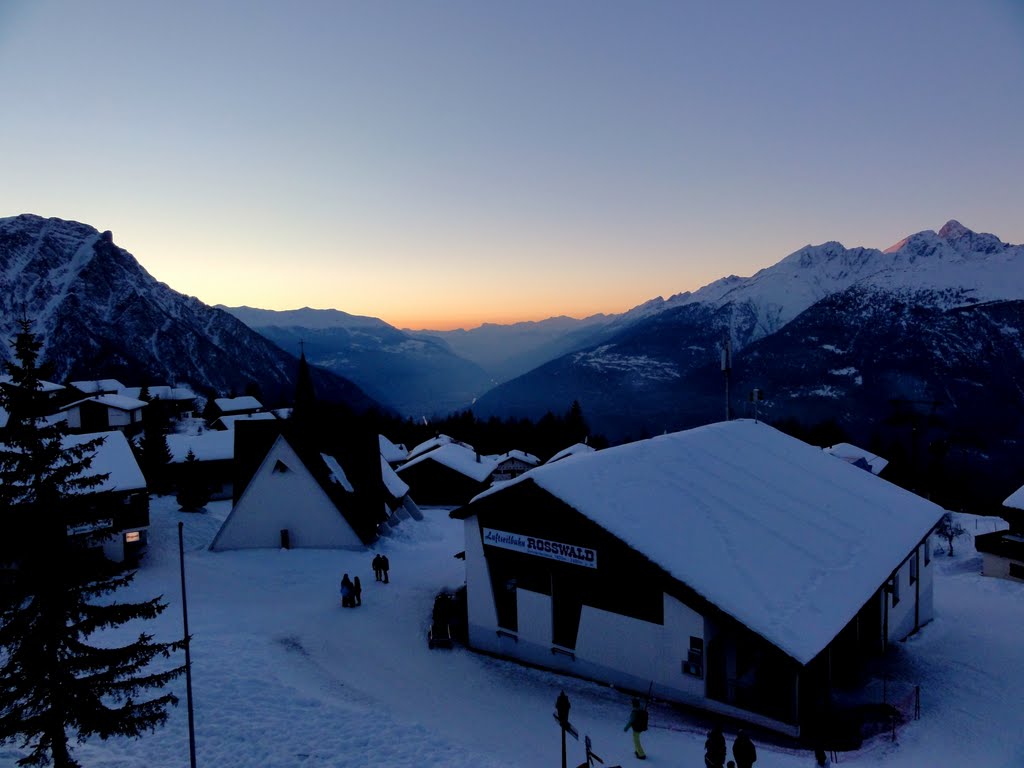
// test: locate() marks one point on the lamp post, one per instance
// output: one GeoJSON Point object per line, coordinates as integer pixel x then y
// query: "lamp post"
{"type": "Point", "coordinates": [188, 658]}
{"type": "Point", "coordinates": [562, 716]}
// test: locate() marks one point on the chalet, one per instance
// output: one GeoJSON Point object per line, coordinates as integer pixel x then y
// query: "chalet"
{"type": "Point", "coordinates": [858, 457]}
{"type": "Point", "coordinates": [429, 445]}
{"type": "Point", "coordinates": [448, 474]}
{"type": "Point", "coordinates": [1002, 552]}
{"type": "Point", "coordinates": [103, 412]}
{"type": "Point", "coordinates": [235, 406]}
{"type": "Point", "coordinates": [729, 567]}
{"type": "Point", "coordinates": [299, 496]}
{"type": "Point", "coordinates": [98, 387]}
{"type": "Point", "coordinates": [228, 422]}
{"type": "Point", "coordinates": [118, 519]}
{"type": "Point", "coordinates": [50, 389]}
{"type": "Point", "coordinates": [180, 400]}
{"type": "Point", "coordinates": [512, 464]}
{"type": "Point", "coordinates": [573, 450]}
{"type": "Point", "coordinates": [214, 452]}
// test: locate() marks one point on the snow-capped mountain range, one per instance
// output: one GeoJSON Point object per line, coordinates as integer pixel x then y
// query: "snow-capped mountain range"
{"type": "Point", "coordinates": [100, 314]}
{"type": "Point", "coordinates": [829, 333]}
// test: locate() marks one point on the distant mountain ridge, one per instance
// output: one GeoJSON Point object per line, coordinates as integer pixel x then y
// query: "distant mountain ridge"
{"type": "Point", "coordinates": [100, 314]}
{"type": "Point", "coordinates": [418, 376]}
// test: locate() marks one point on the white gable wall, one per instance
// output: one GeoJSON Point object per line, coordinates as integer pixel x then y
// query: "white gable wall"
{"type": "Point", "coordinates": [291, 500]}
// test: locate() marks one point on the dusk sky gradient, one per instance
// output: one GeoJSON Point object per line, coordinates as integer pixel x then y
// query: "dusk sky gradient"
{"type": "Point", "coordinates": [442, 164]}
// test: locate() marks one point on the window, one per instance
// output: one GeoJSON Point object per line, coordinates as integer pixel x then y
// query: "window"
{"type": "Point", "coordinates": [280, 467]}
{"type": "Point", "coordinates": [895, 587]}
{"type": "Point", "coordinates": [694, 664]}
{"type": "Point", "coordinates": [927, 550]}
{"type": "Point", "coordinates": [913, 568]}
{"type": "Point", "coordinates": [1017, 570]}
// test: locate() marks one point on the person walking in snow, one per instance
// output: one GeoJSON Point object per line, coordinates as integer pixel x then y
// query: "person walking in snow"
{"type": "Point", "coordinates": [376, 568]}
{"type": "Point", "coordinates": [714, 749]}
{"type": "Point", "coordinates": [638, 722]}
{"type": "Point", "coordinates": [346, 591]}
{"type": "Point", "coordinates": [743, 750]}
{"type": "Point", "coordinates": [384, 567]}
{"type": "Point", "coordinates": [357, 592]}
{"type": "Point", "coordinates": [821, 758]}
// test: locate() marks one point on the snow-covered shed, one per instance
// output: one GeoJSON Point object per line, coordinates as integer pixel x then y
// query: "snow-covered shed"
{"type": "Point", "coordinates": [118, 519]}
{"type": "Point", "coordinates": [300, 496]}
{"type": "Point", "coordinates": [103, 412]}
{"type": "Point", "coordinates": [227, 423]}
{"type": "Point", "coordinates": [448, 474]}
{"type": "Point", "coordinates": [98, 386]}
{"type": "Point", "coordinates": [214, 451]}
{"type": "Point", "coordinates": [730, 566]}
{"type": "Point", "coordinates": [1002, 552]}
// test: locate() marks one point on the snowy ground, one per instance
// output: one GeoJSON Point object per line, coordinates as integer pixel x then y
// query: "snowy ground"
{"type": "Point", "coordinates": [283, 676]}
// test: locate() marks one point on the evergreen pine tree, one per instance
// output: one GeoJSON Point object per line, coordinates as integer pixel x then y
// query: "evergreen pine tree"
{"type": "Point", "coordinates": [193, 490]}
{"type": "Point", "coordinates": [59, 680]}
{"type": "Point", "coordinates": [153, 452]}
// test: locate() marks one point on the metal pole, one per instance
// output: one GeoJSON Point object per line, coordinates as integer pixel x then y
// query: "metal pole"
{"type": "Point", "coordinates": [188, 656]}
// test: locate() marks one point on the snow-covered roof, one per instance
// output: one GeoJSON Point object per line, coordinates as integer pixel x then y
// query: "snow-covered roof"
{"type": "Point", "coordinates": [395, 485]}
{"type": "Point", "coordinates": [229, 421]}
{"type": "Point", "coordinates": [523, 456]}
{"type": "Point", "coordinates": [853, 455]}
{"type": "Point", "coordinates": [162, 392]}
{"type": "Point", "coordinates": [113, 458]}
{"type": "Point", "coordinates": [458, 457]}
{"type": "Point", "coordinates": [428, 445]}
{"type": "Point", "coordinates": [390, 451]}
{"type": "Point", "coordinates": [234, 404]}
{"type": "Point", "coordinates": [99, 385]}
{"type": "Point", "coordinates": [771, 530]}
{"type": "Point", "coordinates": [337, 474]}
{"type": "Point", "coordinates": [44, 386]}
{"type": "Point", "coordinates": [4, 417]}
{"type": "Point", "coordinates": [1015, 499]}
{"type": "Point", "coordinates": [119, 402]}
{"type": "Point", "coordinates": [572, 450]}
{"type": "Point", "coordinates": [211, 445]}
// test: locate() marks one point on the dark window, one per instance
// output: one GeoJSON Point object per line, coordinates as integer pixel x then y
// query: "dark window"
{"type": "Point", "coordinates": [895, 589]}
{"type": "Point", "coordinates": [927, 550]}
{"type": "Point", "coordinates": [694, 664]}
{"type": "Point", "coordinates": [280, 466]}
{"type": "Point", "coordinates": [913, 568]}
{"type": "Point", "coordinates": [1017, 570]}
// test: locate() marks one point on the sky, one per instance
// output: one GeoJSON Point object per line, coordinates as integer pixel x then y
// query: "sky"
{"type": "Point", "coordinates": [283, 677]}
{"type": "Point", "coordinates": [440, 165]}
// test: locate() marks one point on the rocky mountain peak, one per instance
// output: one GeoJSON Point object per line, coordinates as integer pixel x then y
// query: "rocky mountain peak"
{"type": "Point", "coordinates": [953, 230]}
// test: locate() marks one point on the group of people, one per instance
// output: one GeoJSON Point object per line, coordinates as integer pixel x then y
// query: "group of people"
{"type": "Point", "coordinates": [743, 751]}
{"type": "Point", "coordinates": [715, 752]}
{"type": "Point", "coordinates": [352, 591]}
{"type": "Point", "coordinates": [380, 568]}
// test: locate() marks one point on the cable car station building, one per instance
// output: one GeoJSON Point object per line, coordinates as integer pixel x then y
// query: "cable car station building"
{"type": "Point", "coordinates": [731, 567]}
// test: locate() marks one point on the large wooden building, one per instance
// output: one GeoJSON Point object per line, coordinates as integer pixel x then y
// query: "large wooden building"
{"type": "Point", "coordinates": [729, 567]}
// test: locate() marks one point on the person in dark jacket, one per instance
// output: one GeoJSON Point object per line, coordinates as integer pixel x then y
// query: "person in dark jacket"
{"type": "Point", "coordinates": [714, 749]}
{"type": "Point", "coordinates": [638, 722]}
{"type": "Point", "coordinates": [376, 568]}
{"type": "Point", "coordinates": [384, 566]}
{"type": "Point", "coordinates": [357, 592]}
{"type": "Point", "coordinates": [743, 750]}
{"type": "Point", "coordinates": [346, 588]}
